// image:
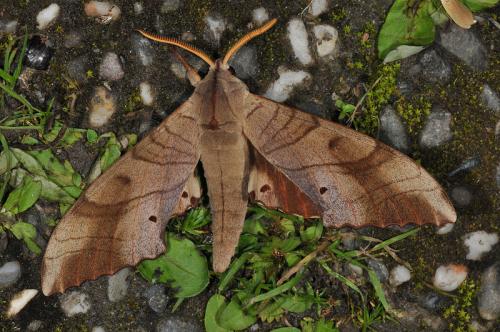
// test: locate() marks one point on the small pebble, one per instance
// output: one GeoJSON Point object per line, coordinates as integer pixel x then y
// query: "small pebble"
{"type": "Point", "coordinates": [281, 89]}
{"type": "Point", "coordinates": [10, 273]}
{"type": "Point", "coordinates": [19, 301]}
{"type": "Point", "coordinates": [318, 7]}
{"type": "Point", "coordinates": [103, 11]}
{"type": "Point", "coordinates": [490, 98]}
{"type": "Point", "coordinates": [393, 130]}
{"type": "Point", "coordinates": [215, 27]}
{"type": "Point", "coordinates": [356, 269]}
{"type": "Point", "coordinates": [326, 39]}
{"type": "Point", "coordinates": [138, 8]}
{"type": "Point", "coordinates": [35, 325]}
{"type": "Point", "coordinates": [399, 275]}
{"type": "Point", "coordinates": [461, 196]}
{"type": "Point", "coordinates": [489, 294]}
{"type": "Point", "coordinates": [111, 67]}
{"type": "Point", "coordinates": [47, 16]}
{"type": "Point", "coordinates": [72, 39]}
{"type": "Point", "coordinates": [437, 130]}
{"type": "Point", "coordinates": [170, 6]}
{"type": "Point", "coordinates": [379, 268]}
{"type": "Point", "coordinates": [297, 35]}
{"type": "Point", "coordinates": [466, 166]}
{"type": "Point", "coordinates": [38, 53]}
{"type": "Point", "coordinates": [260, 16]}
{"type": "Point", "coordinates": [446, 229]}
{"type": "Point", "coordinates": [244, 62]}
{"type": "Point", "coordinates": [172, 324]}
{"type": "Point", "coordinates": [7, 26]}
{"type": "Point", "coordinates": [143, 49]}
{"type": "Point", "coordinates": [479, 243]}
{"type": "Point", "coordinates": [156, 297]}
{"type": "Point", "coordinates": [449, 277]}
{"type": "Point", "coordinates": [146, 92]}
{"type": "Point", "coordinates": [102, 108]}
{"type": "Point", "coordinates": [434, 67]}
{"type": "Point", "coordinates": [98, 329]}
{"type": "Point", "coordinates": [74, 303]}
{"type": "Point", "coordinates": [118, 285]}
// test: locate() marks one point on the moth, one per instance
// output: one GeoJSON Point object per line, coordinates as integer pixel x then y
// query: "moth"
{"type": "Point", "coordinates": [251, 149]}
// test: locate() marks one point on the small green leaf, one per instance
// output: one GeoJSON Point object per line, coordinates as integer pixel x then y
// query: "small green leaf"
{"type": "Point", "coordinates": [30, 193]}
{"type": "Point", "coordinates": [111, 154]}
{"type": "Point", "coordinates": [286, 329]}
{"type": "Point", "coordinates": [29, 140]}
{"type": "Point", "coordinates": [28, 162]}
{"type": "Point", "coordinates": [27, 233]}
{"type": "Point", "coordinates": [215, 305]}
{"type": "Point", "coordinates": [232, 317]}
{"type": "Point", "coordinates": [71, 136]}
{"type": "Point", "coordinates": [7, 161]}
{"type": "Point", "coordinates": [478, 5]}
{"type": "Point", "coordinates": [297, 303]}
{"type": "Point", "coordinates": [375, 281]}
{"type": "Point", "coordinates": [312, 233]}
{"type": "Point", "coordinates": [92, 136]}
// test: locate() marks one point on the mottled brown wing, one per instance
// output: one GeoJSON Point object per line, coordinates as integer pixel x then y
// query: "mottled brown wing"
{"type": "Point", "coordinates": [121, 217]}
{"type": "Point", "coordinates": [356, 180]}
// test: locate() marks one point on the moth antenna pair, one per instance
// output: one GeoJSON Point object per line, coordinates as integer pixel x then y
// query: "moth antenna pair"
{"type": "Point", "coordinates": [245, 39]}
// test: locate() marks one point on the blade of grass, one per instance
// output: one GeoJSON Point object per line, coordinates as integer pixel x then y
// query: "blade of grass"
{"type": "Point", "coordinates": [276, 291]}
{"type": "Point", "coordinates": [20, 59]}
{"type": "Point", "coordinates": [342, 279]}
{"type": "Point", "coordinates": [394, 239]}
{"type": "Point", "coordinates": [377, 286]}
{"type": "Point", "coordinates": [235, 267]}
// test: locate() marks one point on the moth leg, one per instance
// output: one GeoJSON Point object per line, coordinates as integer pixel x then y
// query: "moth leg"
{"type": "Point", "coordinates": [192, 74]}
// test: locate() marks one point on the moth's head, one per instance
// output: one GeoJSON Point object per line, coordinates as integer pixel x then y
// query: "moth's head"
{"type": "Point", "coordinates": [219, 64]}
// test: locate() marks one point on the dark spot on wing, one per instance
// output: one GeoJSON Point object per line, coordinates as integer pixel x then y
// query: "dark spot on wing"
{"type": "Point", "coordinates": [265, 188]}
{"type": "Point", "coordinates": [185, 194]}
{"type": "Point", "coordinates": [322, 190]}
{"type": "Point", "coordinates": [153, 218]}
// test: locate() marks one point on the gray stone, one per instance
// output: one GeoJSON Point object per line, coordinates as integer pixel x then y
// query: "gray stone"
{"type": "Point", "coordinates": [170, 6]}
{"type": "Point", "coordinates": [465, 45]}
{"type": "Point", "coordinates": [461, 196]}
{"type": "Point", "coordinates": [433, 301]}
{"type": "Point", "coordinates": [111, 68]}
{"type": "Point", "coordinates": [142, 49]}
{"type": "Point", "coordinates": [489, 294]}
{"type": "Point", "coordinates": [490, 98]}
{"type": "Point", "coordinates": [77, 68]}
{"type": "Point", "coordinates": [393, 131]}
{"type": "Point", "coordinates": [72, 39]}
{"type": "Point", "coordinates": [379, 268]}
{"type": "Point", "coordinates": [7, 26]}
{"type": "Point", "coordinates": [10, 273]}
{"type": "Point", "coordinates": [245, 63]}
{"type": "Point", "coordinates": [177, 324]}
{"type": "Point", "coordinates": [156, 297]}
{"type": "Point", "coordinates": [74, 303]}
{"type": "Point", "coordinates": [118, 285]}
{"type": "Point", "coordinates": [437, 129]}
{"type": "Point", "coordinates": [35, 325]}
{"type": "Point", "coordinates": [434, 67]}
{"type": "Point", "coordinates": [215, 27]}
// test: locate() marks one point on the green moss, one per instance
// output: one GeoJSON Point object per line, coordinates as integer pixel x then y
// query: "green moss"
{"type": "Point", "coordinates": [133, 101]}
{"type": "Point", "coordinates": [414, 112]}
{"type": "Point", "coordinates": [383, 88]}
{"type": "Point", "coordinates": [459, 313]}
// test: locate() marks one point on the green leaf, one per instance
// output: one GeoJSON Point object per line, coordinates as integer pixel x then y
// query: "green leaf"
{"type": "Point", "coordinates": [30, 193]}
{"type": "Point", "coordinates": [27, 233]}
{"type": "Point", "coordinates": [402, 52]}
{"type": "Point", "coordinates": [111, 153]}
{"type": "Point", "coordinates": [60, 173]}
{"type": "Point", "coordinates": [7, 161]}
{"type": "Point", "coordinates": [215, 305]}
{"type": "Point", "coordinates": [196, 218]}
{"type": "Point", "coordinates": [50, 191]}
{"type": "Point", "coordinates": [71, 136]}
{"type": "Point", "coordinates": [278, 290]}
{"type": "Point", "coordinates": [28, 162]}
{"type": "Point", "coordinates": [182, 265]}
{"type": "Point", "coordinates": [406, 26]}
{"type": "Point", "coordinates": [231, 272]}
{"type": "Point", "coordinates": [286, 329]}
{"type": "Point", "coordinates": [92, 136]}
{"type": "Point", "coordinates": [478, 5]}
{"type": "Point", "coordinates": [297, 303]}
{"type": "Point", "coordinates": [232, 317]}
{"type": "Point", "coordinates": [312, 233]}
{"type": "Point", "coordinates": [375, 281]}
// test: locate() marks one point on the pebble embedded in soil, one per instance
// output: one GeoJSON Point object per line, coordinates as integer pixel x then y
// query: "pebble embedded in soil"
{"type": "Point", "coordinates": [260, 16]}
{"type": "Point", "coordinates": [434, 67]}
{"type": "Point", "coordinates": [143, 49]}
{"type": "Point", "coordinates": [38, 53]}
{"type": "Point", "coordinates": [281, 89]}
{"type": "Point", "coordinates": [138, 8]}
{"type": "Point", "coordinates": [156, 298]}
{"type": "Point", "coordinates": [10, 273]}
{"type": "Point", "coordinates": [19, 301]}
{"type": "Point", "coordinates": [215, 27]}
{"type": "Point", "coordinates": [7, 26]}
{"type": "Point", "coordinates": [393, 130]}
{"type": "Point", "coordinates": [449, 277]}
{"type": "Point", "coordinates": [490, 98]}
{"type": "Point", "coordinates": [104, 11]}
{"type": "Point", "coordinates": [297, 35]}
{"type": "Point", "coordinates": [47, 16]}
{"type": "Point", "coordinates": [98, 329]}
{"type": "Point", "coordinates": [118, 285]}
{"type": "Point", "coordinates": [170, 6]}
{"type": "Point", "coordinates": [379, 268]}
{"type": "Point", "coordinates": [35, 325]}
{"type": "Point", "coordinates": [318, 7]}
{"type": "Point", "coordinates": [461, 196]}
{"type": "Point", "coordinates": [326, 39]}
{"type": "Point", "coordinates": [244, 62]}
{"type": "Point", "coordinates": [399, 275]}
{"type": "Point", "coordinates": [74, 303]}
{"type": "Point", "coordinates": [489, 294]}
{"type": "Point", "coordinates": [464, 44]}
{"type": "Point", "coordinates": [173, 323]}
{"type": "Point", "coordinates": [479, 243]}
{"type": "Point", "coordinates": [102, 107]}
{"type": "Point", "coordinates": [111, 68]}
{"type": "Point", "coordinates": [146, 92]}
{"type": "Point", "coordinates": [437, 129]}
{"type": "Point", "coordinates": [72, 39]}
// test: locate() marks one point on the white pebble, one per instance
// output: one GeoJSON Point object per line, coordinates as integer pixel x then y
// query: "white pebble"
{"type": "Point", "coordinates": [260, 16]}
{"type": "Point", "coordinates": [98, 329]}
{"type": "Point", "coordinates": [19, 301]}
{"type": "Point", "coordinates": [111, 67]}
{"type": "Point", "coordinates": [326, 39]}
{"type": "Point", "coordinates": [118, 285]}
{"type": "Point", "coordinates": [47, 16]}
{"type": "Point", "coordinates": [178, 70]}
{"type": "Point", "coordinates": [479, 243]}
{"type": "Point", "coordinates": [8, 27]}
{"type": "Point", "coordinates": [74, 303]}
{"type": "Point", "coordinates": [215, 27]}
{"type": "Point", "coordinates": [449, 277]}
{"type": "Point", "coordinates": [318, 7]}
{"type": "Point", "coordinates": [281, 89]}
{"type": "Point", "coordinates": [297, 35]}
{"type": "Point", "coordinates": [10, 273]}
{"type": "Point", "coordinates": [102, 108]}
{"type": "Point", "coordinates": [446, 229]}
{"type": "Point", "coordinates": [104, 11]}
{"type": "Point", "coordinates": [146, 92]}
{"type": "Point", "coordinates": [138, 8]}
{"type": "Point", "coordinates": [399, 275]}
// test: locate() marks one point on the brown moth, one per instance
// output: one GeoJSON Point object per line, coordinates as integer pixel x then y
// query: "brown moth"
{"type": "Point", "coordinates": [459, 13]}
{"type": "Point", "coordinates": [251, 148]}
